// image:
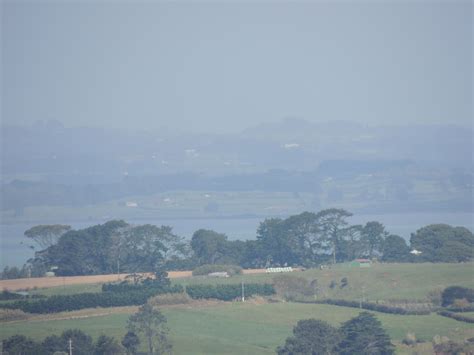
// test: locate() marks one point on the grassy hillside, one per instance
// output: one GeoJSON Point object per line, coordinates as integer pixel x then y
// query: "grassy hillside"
{"type": "Point", "coordinates": [380, 282]}
{"type": "Point", "coordinates": [238, 328]}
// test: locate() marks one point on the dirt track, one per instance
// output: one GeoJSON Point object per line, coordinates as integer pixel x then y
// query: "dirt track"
{"type": "Point", "coordinates": [44, 282]}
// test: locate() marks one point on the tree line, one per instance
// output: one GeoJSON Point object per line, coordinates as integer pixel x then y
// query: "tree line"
{"type": "Point", "coordinates": [307, 239]}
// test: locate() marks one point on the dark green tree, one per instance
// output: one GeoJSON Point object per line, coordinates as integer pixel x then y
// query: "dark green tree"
{"type": "Point", "coordinates": [373, 236]}
{"type": "Point", "coordinates": [395, 249]}
{"type": "Point", "coordinates": [19, 344]}
{"type": "Point", "coordinates": [443, 243]}
{"type": "Point", "coordinates": [208, 245]}
{"type": "Point", "coordinates": [364, 335]}
{"type": "Point", "coordinates": [333, 227]}
{"type": "Point", "coordinates": [152, 324]}
{"type": "Point", "coordinates": [311, 337]}
{"type": "Point", "coordinates": [81, 342]}
{"type": "Point", "coordinates": [46, 235]}
{"type": "Point", "coordinates": [130, 342]}
{"type": "Point", "coordinates": [277, 246]}
{"type": "Point", "coordinates": [106, 345]}
{"type": "Point", "coordinates": [54, 343]}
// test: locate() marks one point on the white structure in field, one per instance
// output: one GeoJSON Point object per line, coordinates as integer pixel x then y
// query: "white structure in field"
{"type": "Point", "coordinates": [279, 269]}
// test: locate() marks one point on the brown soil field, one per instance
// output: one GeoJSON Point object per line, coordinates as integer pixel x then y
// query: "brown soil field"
{"type": "Point", "coordinates": [45, 282]}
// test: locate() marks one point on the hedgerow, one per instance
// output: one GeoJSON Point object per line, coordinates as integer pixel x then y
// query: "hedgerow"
{"type": "Point", "coordinates": [228, 292]}
{"type": "Point", "coordinates": [61, 303]}
{"type": "Point", "coordinates": [458, 317]}
{"type": "Point", "coordinates": [370, 306]}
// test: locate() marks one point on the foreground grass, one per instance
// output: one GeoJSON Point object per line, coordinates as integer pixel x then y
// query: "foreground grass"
{"type": "Point", "coordinates": [236, 328]}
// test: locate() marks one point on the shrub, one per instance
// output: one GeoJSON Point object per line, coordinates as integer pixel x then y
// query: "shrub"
{"type": "Point", "coordinates": [207, 269]}
{"type": "Point", "coordinates": [344, 282]}
{"type": "Point", "coordinates": [292, 288]}
{"type": "Point", "coordinates": [434, 296]}
{"type": "Point", "coordinates": [410, 339]}
{"type": "Point", "coordinates": [452, 293]}
{"type": "Point", "coordinates": [169, 298]}
{"type": "Point", "coordinates": [12, 314]}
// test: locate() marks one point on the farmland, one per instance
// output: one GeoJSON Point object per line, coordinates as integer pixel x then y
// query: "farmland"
{"type": "Point", "coordinates": [236, 328]}
{"type": "Point", "coordinates": [259, 327]}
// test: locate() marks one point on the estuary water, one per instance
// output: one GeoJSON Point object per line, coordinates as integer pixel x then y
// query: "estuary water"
{"type": "Point", "coordinates": [15, 250]}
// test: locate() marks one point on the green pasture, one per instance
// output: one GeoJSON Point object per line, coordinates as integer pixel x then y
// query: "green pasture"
{"type": "Point", "coordinates": [236, 328]}
{"type": "Point", "coordinates": [381, 282]}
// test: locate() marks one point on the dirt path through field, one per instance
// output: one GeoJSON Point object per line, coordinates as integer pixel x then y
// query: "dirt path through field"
{"type": "Point", "coordinates": [45, 282]}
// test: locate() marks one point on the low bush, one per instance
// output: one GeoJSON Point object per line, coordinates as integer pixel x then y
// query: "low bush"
{"type": "Point", "coordinates": [12, 314]}
{"type": "Point", "coordinates": [292, 288]}
{"type": "Point", "coordinates": [169, 299]}
{"type": "Point", "coordinates": [207, 269]}
{"type": "Point", "coordinates": [228, 292]}
{"type": "Point", "coordinates": [410, 339]}
{"type": "Point", "coordinates": [148, 284]}
{"type": "Point", "coordinates": [453, 293]}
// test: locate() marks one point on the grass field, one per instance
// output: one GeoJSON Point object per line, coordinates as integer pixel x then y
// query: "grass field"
{"type": "Point", "coordinates": [236, 328]}
{"type": "Point", "coordinates": [253, 328]}
{"type": "Point", "coordinates": [380, 282]}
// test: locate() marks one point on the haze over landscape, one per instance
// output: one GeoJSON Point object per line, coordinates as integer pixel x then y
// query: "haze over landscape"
{"type": "Point", "coordinates": [230, 169]}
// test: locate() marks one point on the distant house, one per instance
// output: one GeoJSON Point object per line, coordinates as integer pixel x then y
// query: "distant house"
{"type": "Point", "coordinates": [361, 263]}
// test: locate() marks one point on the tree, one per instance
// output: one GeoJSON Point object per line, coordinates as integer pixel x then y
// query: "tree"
{"type": "Point", "coordinates": [395, 249]}
{"type": "Point", "coordinates": [304, 233]}
{"type": "Point", "coordinates": [364, 335]}
{"type": "Point", "coordinates": [333, 228]}
{"type": "Point", "coordinates": [54, 343]}
{"type": "Point", "coordinates": [130, 342]}
{"type": "Point", "coordinates": [311, 337]}
{"type": "Point", "coordinates": [276, 245]}
{"type": "Point", "coordinates": [443, 243]}
{"type": "Point", "coordinates": [152, 324]}
{"type": "Point", "coordinates": [107, 346]}
{"type": "Point", "coordinates": [47, 235]}
{"type": "Point", "coordinates": [81, 342]}
{"type": "Point", "coordinates": [19, 344]}
{"type": "Point", "coordinates": [208, 245]}
{"type": "Point", "coordinates": [373, 236]}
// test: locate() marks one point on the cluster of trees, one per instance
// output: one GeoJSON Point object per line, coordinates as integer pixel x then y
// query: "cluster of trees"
{"type": "Point", "coordinates": [360, 335]}
{"type": "Point", "coordinates": [307, 239]}
{"type": "Point", "coordinates": [112, 247]}
{"type": "Point", "coordinates": [148, 323]}
{"type": "Point", "coordinates": [311, 239]}
{"type": "Point", "coordinates": [54, 344]}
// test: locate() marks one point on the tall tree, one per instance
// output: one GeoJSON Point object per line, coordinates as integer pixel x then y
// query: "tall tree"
{"type": "Point", "coordinates": [311, 337]}
{"type": "Point", "coordinates": [443, 243]}
{"type": "Point", "coordinates": [276, 245]}
{"type": "Point", "coordinates": [47, 235]}
{"type": "Point", "coordinates": [208, 245]}
{"type": "Point", "coordinates": [364, 335]}
{"type": "Point", "coordinates": [395, 249]}
{"type": "Point", "coordinates": [303, 232]}
{"type": "Point", "coordinates": [333, 226]}
{"type": "Point", "coordinates": [152, 324]}
{"type": "Point", "coordinates": [373, 236]}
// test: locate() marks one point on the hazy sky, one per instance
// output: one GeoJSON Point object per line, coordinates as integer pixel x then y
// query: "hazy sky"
{"type": "Point", "coordinates": [221, 67]}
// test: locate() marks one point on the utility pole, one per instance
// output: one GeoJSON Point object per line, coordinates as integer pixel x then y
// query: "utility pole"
{"type": "Point", "coordinates": [70, 346]}
{"type": "Point", "coordinates": [243, 292]}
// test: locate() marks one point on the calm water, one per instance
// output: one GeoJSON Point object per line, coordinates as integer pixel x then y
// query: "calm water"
{"type": "Point", "coordinates": [15, 250]}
